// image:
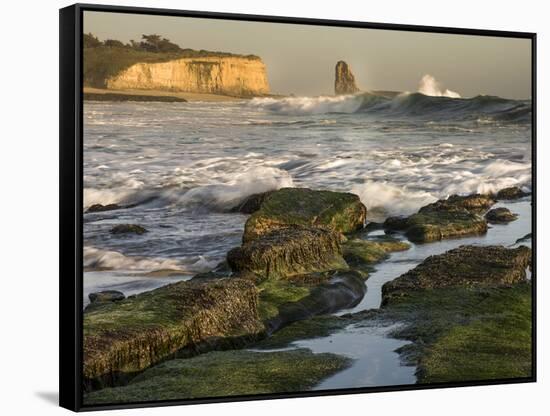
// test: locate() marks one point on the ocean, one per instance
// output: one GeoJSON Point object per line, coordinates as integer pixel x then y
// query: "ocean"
{"type": "Point", "coordinates": [179, 169]}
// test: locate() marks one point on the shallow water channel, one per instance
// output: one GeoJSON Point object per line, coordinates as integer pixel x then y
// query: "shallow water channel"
{"type": "Point", "coordinates": [375, 361]}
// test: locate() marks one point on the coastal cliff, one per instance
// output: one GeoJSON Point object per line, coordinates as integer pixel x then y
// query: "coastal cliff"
{"type": "Point", "coordinates": [229, 75]}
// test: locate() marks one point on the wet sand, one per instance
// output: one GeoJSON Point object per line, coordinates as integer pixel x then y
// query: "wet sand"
{"type": "Point", "coordinates": [189, 96]}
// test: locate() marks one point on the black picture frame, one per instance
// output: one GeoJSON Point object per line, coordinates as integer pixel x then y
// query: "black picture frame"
{"type": "Point", "coordinates": [71, 198]}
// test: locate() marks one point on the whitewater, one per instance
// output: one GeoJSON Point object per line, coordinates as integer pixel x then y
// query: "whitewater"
{"type": "Point", "coordinates": [181, 167]}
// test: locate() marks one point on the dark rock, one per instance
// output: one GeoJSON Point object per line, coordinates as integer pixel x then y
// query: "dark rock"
{"type": "Point", "coordinates": [373, 226]}
{"type": "Point", "coordinates": [252, 203]}
{"type": "Point", "coordinates": [106, 296]}
{"type": "Point", "coordinates": [474, 203]}
{"type": "Point", "coordinates": [525, 238]}
{"type": "Point", "coordinates": [127, 336]}
{"type": "Point", "coordinates": [344, 81]}
{"type": "Point", "coordinates": [500, 215]}
{"type": "Point", "coordinates": [512, 192]}
{"type": "Point", "coordinates": [395, 223]}
{"type": "Point", "coordinates": [101, 208]}
{"type": "Point", "coordinates": [336, 211]}
{"type": "Point", "coordinates": [289, 251]}
{"type": "Point", "coordinates": [466, 266]}
{"type": "Point", "coordinates": [128, 229]}
{"type": "Point", "coordinates": [344, 290]}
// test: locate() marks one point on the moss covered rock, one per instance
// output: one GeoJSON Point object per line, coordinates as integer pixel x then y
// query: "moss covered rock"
{"type": "Point", "coordinates": [500, 215]}
{"type": "Point", "coordinates": [512, 192]}
{"type": "Point", "coordinates": [106, 296]}
{"type": "Point", "coordinates": [226, 373]}
{"type": "Point", "coordinates": [343, 290]}
{"type": "Point", "coordinates": [130, 335]}
{"type": "Point", "coordinates": [100, 298]}
{"type": "Point", "coordinates": [285, 252]}
{"type": "Point", "coordinates": [357, 250]}
{"type": "Point", "coordinates": [474, 203]}
{"type": "Point", "coordinates": [465, 266]}
{"type": "Point", "coordinates": [251, 203]}
{"type": "Point", "coordinates": [454, 217]}
{"type": "Point", "coordinates": [463, 333]}
{"type": "Point", "coordinates": [336, 211]}
{"type": "Point", "coordinates": [276, 293]}
{"type": "Point", "coordinates": [438, 225]}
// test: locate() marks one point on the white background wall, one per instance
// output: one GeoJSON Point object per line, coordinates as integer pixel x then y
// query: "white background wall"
{"type": "Point", "coordinates": [29, 206]}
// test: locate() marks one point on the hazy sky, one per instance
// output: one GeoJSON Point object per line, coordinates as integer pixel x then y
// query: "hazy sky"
{"type": "Point", "coordinates": [300, 59]}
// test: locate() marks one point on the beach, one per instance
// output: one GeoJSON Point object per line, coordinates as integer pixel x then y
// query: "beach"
{"type": "Point", "coordinates": [156, 94]}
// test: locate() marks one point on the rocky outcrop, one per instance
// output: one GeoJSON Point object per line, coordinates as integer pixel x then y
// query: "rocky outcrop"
{"type": "Point", "coordinates": [512, 192]}
{"type": "Point", "coordinates": [358, 251]}
{"type": "Point", "coordinates": [500, 215]}
{"type": "Point", "coordinates": [252, 203]}
{"type": "Point", "coordinates": [102, 208]}
{"type": "Point", "coordinates": [336, 211]}
{"type": "Point", "coordinates": [466, 266]}
{"type": "Point", "coordinates": [473, 203]}
{"type": "Point", "coordinates": [456, 216]}
{"type": "Point", "coordinates": [289, 251]}
{"type": "Point", "coordinates": [344, 289]}
{"type": "Point", "coordinates": [224, 374]}
{"type": "Point", "coordinates": [106, 296]}
{"type": "Point", "coordinates": [98, 299]}
{"type": "Point", "coordinates": [128, 229]}
{"type": "Point", "coordinates": [344, 81]}
{"type": "Point", "coordinates": [228, 75]}
{"type": "Point", "coordinates": [122, 338]}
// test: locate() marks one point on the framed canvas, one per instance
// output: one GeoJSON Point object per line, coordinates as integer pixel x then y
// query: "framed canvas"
{"type": "Point", "coordinates": [256, 207]}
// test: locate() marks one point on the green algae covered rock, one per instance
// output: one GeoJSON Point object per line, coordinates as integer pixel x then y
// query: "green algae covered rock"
{"type": "Point", "coordinates": [289, 251]}
{"type": "Point", "coordinates": [440, 225]}
{"type": "Point", "coordinates": [368, 251]}
{"type": "Point", "coordinates": [465, 266]}
{"type": "Point", "coordinates": [454, 217]}
{"type": "Point", "coordinates": [500, 215]}
{"type": "Point", "coordinates": [106, 296]}
{"type": "Point", "coordinates": [473, 203]}
{"type": "Point", "coordinates": [226, 373]}
{"type": "Point", "coordinates": [252, 203]}
{"type": "Point", "coordinates": [336, 211]}
{"type": "Point", "coordinates": [344, 289]}
{"type": "Point", "coordinates": [127, 336]}
{"type": "Point", "coordinates": [512, 192]}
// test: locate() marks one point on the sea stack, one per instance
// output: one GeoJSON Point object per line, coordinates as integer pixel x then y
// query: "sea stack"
{"type": "Point", "coordinates": [344, 81]}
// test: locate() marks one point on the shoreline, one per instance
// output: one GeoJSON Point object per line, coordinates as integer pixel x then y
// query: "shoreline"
{"type": "Point", "coordinates": [154, 95]}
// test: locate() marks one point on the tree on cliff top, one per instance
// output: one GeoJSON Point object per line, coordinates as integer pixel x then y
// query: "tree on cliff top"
{"type": "Point", "coordinates": [91, 41]}
{"type": "Point", "coordinates": [156, 43]}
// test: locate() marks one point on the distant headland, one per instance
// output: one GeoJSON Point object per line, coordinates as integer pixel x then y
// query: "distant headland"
{"type": "Point", "coordinates": [162, 68]}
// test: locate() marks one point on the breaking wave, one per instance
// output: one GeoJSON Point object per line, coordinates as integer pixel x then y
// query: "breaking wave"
{"type": "Point", "coordinates": [430, 86]}
{"type": "Point", "coordinates": [230, 189]}
{"type": "Point", "coordinates": [100, 259]}
{"type": "Point", "coordinates": [310, 105]}
{"type": "Point", "coordinates": [432, 104]}
{"type": "Point", "coordinates": [385, 199]}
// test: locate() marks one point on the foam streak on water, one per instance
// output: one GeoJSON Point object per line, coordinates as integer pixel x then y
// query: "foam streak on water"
{"type": "Point", "coordinates": [184, 165]}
